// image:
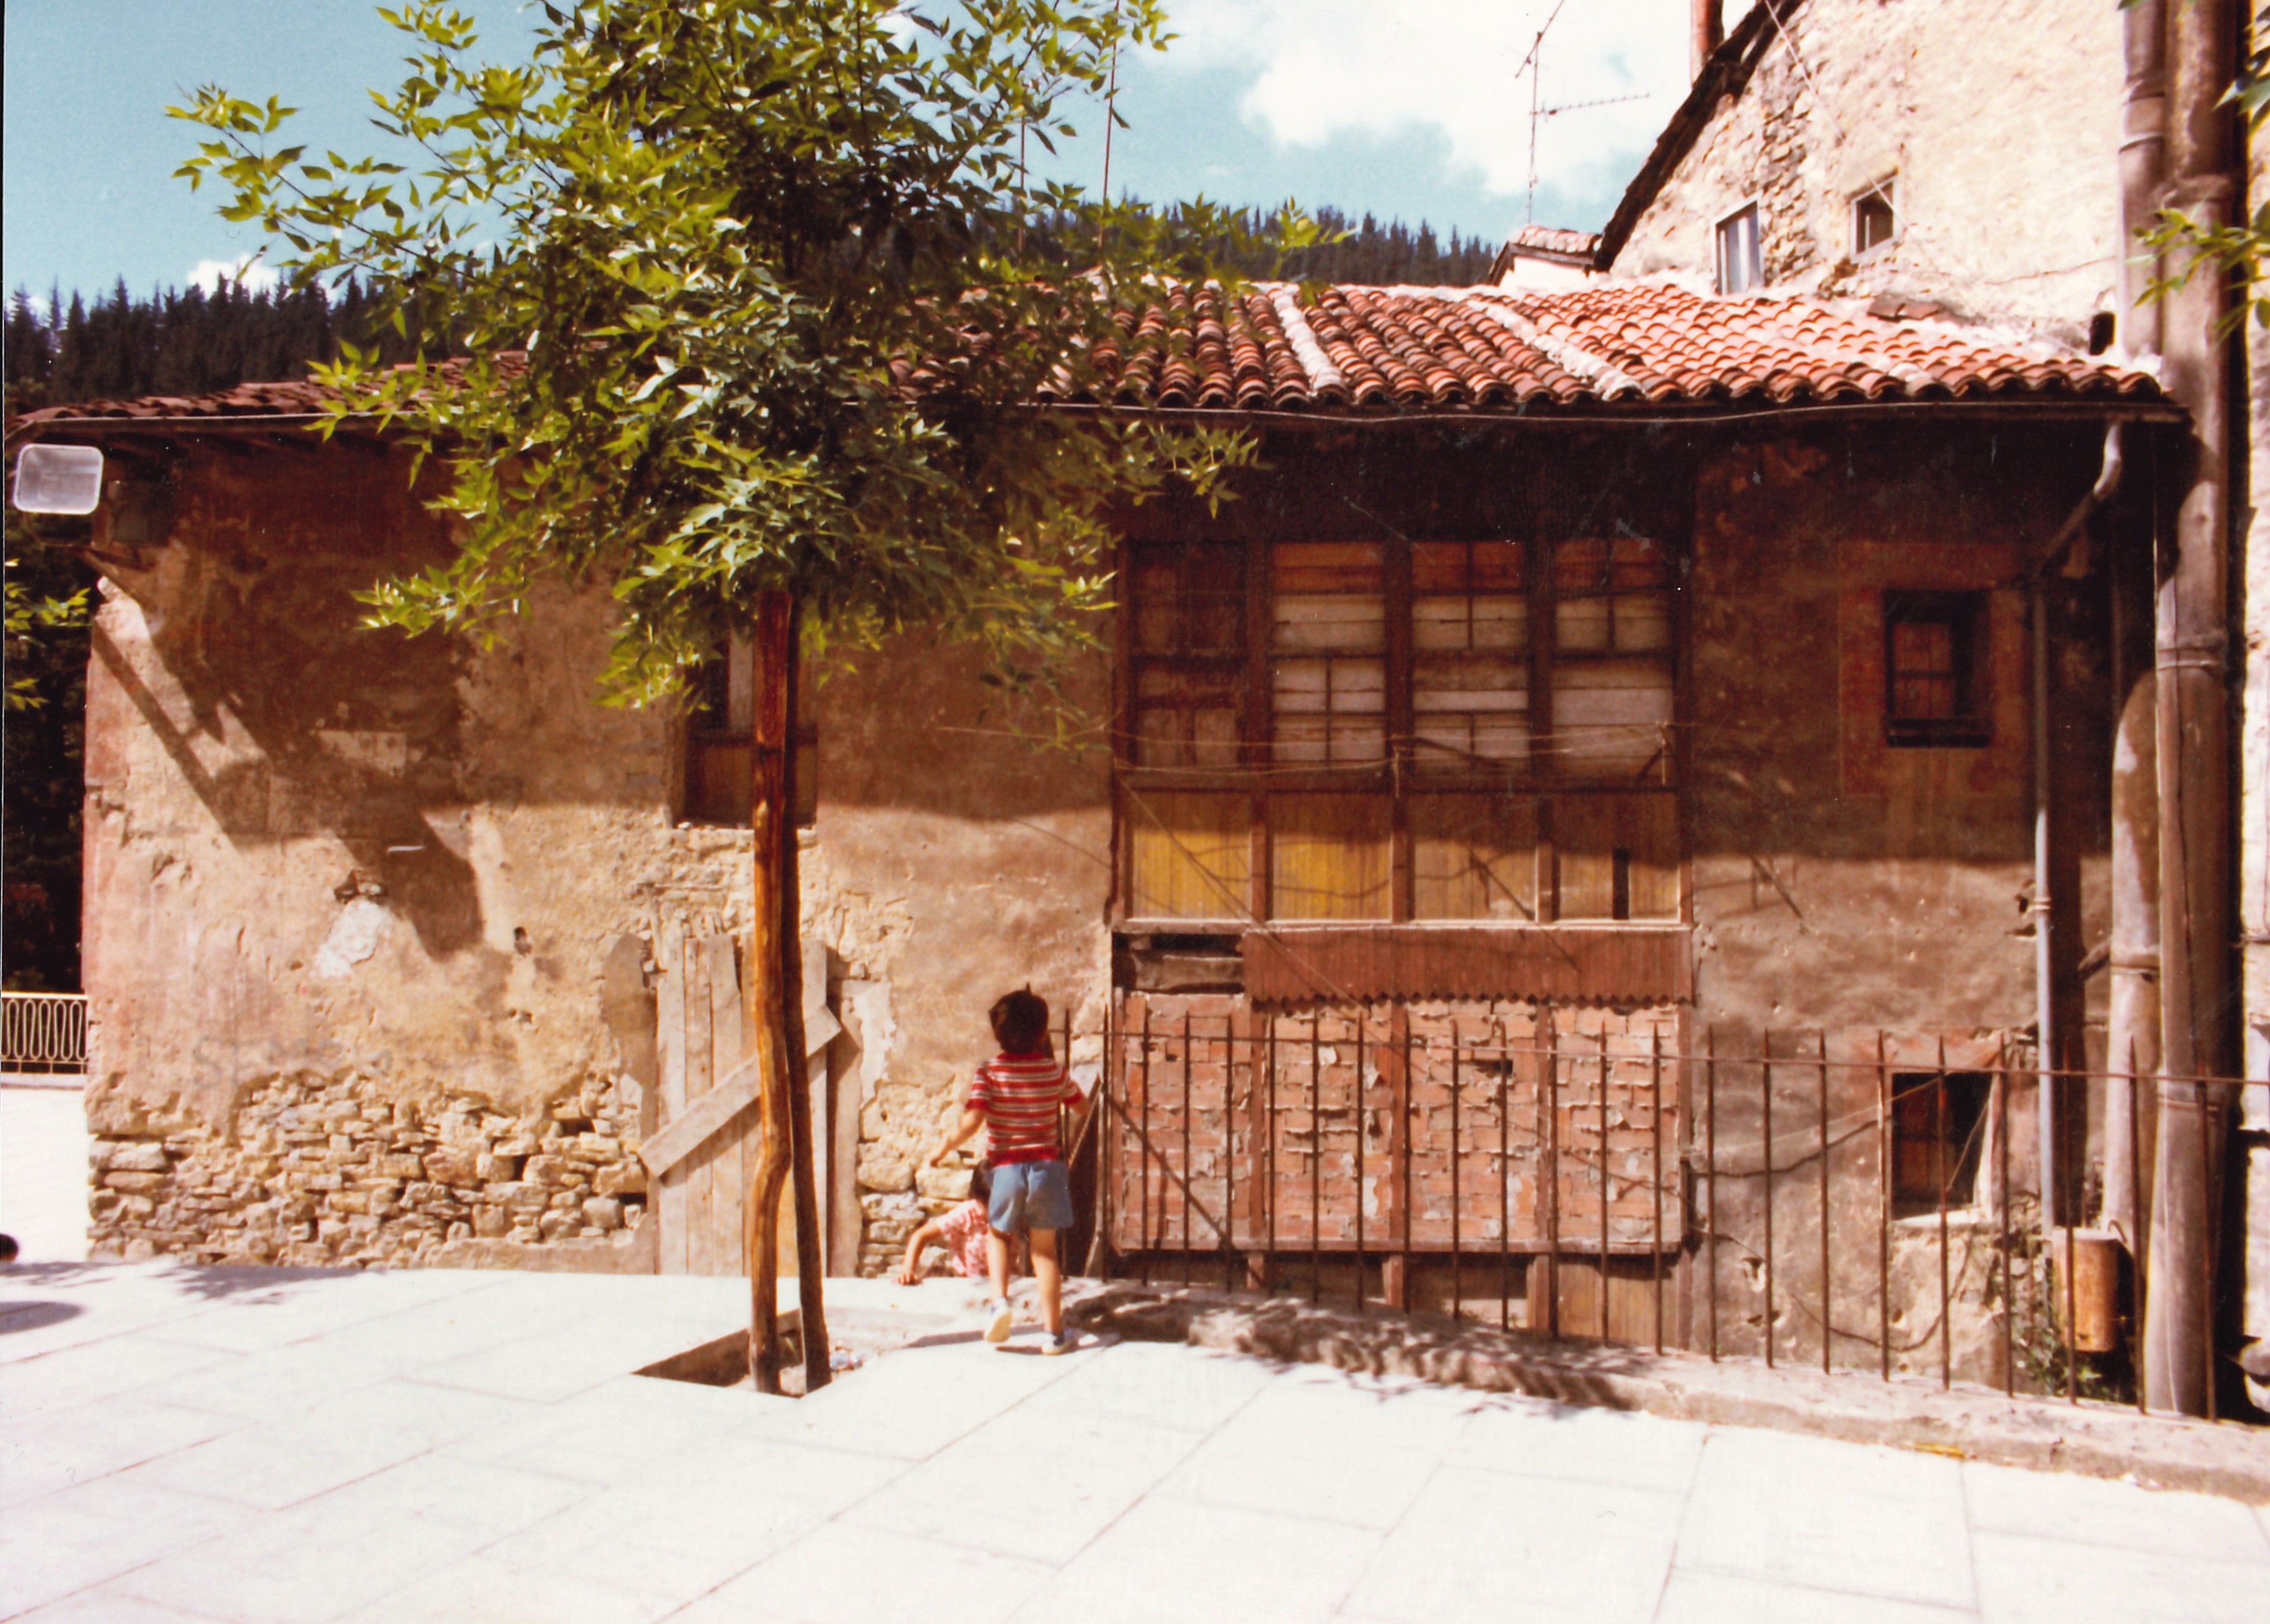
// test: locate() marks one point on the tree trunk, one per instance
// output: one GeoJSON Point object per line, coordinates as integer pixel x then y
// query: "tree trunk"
{"type": "Point", "coordinates": [776, 996]}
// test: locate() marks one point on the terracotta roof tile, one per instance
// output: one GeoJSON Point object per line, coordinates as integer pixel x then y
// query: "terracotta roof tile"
{"type": "Point", "coordinates": [1384, 351]}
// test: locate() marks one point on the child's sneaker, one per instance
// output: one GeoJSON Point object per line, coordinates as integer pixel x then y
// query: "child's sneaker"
{"type": "Point", "coordinates": [1062, 1342]}
{"type": "Point", "coordinates": [998, 1324]}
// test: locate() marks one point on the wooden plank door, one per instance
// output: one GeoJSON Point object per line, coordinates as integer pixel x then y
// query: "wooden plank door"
{"type": "Point", "coordinates": [702, 1035]}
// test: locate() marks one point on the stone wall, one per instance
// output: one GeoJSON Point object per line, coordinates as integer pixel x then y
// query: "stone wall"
{"type": "Point", "coordinates": [2001, 125]}
{"type": "Point", "coordinates": [328, 1170]}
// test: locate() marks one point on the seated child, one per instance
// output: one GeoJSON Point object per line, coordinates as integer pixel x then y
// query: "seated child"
{"type": "Point", "coordinates": [962, 1232]}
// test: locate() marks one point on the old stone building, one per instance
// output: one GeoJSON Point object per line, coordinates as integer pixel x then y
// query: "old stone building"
{"type": "Point", "coordinates": [1955, 159]}
{"type": "Point", "coordinates": [1592, 695]}
{"type": "Point", "coordinates": [1987, 169]}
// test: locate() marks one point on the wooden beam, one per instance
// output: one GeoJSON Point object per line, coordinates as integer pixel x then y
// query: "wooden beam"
{"type": "Point", "coordinates": [695, 1127]}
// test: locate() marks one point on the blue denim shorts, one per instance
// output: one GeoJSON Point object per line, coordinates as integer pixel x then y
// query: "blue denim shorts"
{"type": "Point", "coordinates": [1030, 1195]}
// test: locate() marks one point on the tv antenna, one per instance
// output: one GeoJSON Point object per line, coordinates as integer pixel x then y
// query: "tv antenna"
{"type": "Point", "coordinates": [1533, 65]}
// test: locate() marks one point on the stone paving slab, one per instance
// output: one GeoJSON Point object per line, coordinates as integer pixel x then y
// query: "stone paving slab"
{"type": "Point", "coordinates": [483, 1452]}
{"type": "Point", "coordinates": [1964, 1422]}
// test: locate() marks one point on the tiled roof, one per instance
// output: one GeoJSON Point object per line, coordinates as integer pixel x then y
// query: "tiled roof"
{"type": "Point", "coordinates": [1384, 350]}
{"type": "Point", "coordinates": [297, 399]}
{"type": "Point", "coordinates": [1552, 240]}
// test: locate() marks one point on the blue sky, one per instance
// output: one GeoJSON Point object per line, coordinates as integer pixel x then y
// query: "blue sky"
{"type": "Point", "coordinates": [1401, 107]}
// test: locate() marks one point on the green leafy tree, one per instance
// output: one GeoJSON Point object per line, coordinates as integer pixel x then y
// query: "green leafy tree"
{"type": "Point", "coordinates": [755, 301]}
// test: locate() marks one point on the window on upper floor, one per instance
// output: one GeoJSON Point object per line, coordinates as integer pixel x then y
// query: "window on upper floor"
{"type": "Point", "coordinates": [720, 753]}
{"type": "Point", "coordinates": [1935, 666]}
{"type": "Point", "coordinates": [1741, 265]}
{"type": "Point", "coordinates": [1427, 731]}
{"type": "Point", "coordinates": [1875, 218]}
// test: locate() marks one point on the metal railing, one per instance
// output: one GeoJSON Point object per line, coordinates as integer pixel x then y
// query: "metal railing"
{"type": "Point", "coordinates": [1810, 1205]}
{"type": "Point", "coordinates": [43, 1035]}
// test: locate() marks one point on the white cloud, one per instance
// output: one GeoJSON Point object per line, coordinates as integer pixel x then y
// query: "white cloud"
{"type": "Point", "coordinates": [207, 274]}
{"type": "Point", "coordinates": [1326, 68]}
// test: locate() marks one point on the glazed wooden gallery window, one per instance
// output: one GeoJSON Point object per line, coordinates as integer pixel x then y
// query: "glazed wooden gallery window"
{"type": "Point", "coordinates": [719, 757]}
{"type": "Point", "coordinates": [1433, 730]}
{"type": "Point", "coordinates": [1935, 668]}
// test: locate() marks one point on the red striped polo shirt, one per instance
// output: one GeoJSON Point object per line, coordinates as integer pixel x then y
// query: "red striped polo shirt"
{"type": "Point", "coordinates": [1019, 1095]}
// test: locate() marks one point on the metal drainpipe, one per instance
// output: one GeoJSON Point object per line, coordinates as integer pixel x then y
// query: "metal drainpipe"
{"type": "Point", "coordinates": [2108, 481]}
{"type": "Point", "coordinates": [2192, 697]}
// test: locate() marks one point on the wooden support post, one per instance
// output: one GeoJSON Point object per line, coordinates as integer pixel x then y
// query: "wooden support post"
{"type": "Point", "coordinates": [774, 991]}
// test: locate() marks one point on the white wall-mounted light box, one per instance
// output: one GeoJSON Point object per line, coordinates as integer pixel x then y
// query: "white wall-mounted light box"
{"type": "Point", "coordinates": [58, 479]}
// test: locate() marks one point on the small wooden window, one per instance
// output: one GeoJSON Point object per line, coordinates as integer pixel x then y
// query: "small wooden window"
{"type": "Point", "coordinates": [720, 754]}
{"type": "Point", "coordinates": [1612, 669]}
{"type": "Point", "coordinates": [1939, 1129]}
{"type": "Point", "coordinates": [1189, 622]}
{"type": "Point", "coordinates": [1469, 667]}
{"type": "Point", "coordinates": [1741, 267]}
{"type": "Point", "coordinates": [1874, 221]}
{"type": "Point", "coordinates": [1935, 670]}
{"type": "Point", "coordinates": [1328, 655]}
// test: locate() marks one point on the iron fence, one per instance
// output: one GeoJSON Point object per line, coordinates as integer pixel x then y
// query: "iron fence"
{"type": "Point", "coordinates": [43, 1035]}
{"type": "Point", "coordinates": [1875, 1208]}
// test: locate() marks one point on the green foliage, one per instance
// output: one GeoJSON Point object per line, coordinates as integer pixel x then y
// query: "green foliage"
{"type": "Point", "coordinates": [754, 295]}
{"type": "Point", "coordinates": [32, 617]}
{"type": "Point", "coordinates": [2238, 253]}
{"type": "Point", "coordinates": [49, 584]}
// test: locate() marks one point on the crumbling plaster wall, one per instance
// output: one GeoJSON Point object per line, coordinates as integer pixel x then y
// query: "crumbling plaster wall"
{"type": "Point", "coordinates": [349, 893]}
{"type": "Point", "coordinates": [2001, 125]}
{"type": "Point", "coordinates": [367, 914]}
{"type": "Point", "coordinates": [1842, 889]}
{"type": "Point", "coordinates": [954, 861]}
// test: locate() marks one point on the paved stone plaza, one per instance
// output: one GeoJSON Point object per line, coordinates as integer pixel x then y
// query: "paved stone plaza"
{"type": "Point", "coordinates": [272, 1447]}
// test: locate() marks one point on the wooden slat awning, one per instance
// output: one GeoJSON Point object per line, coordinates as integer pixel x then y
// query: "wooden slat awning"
{"type": "Point", "coordinates": [1587, 964]}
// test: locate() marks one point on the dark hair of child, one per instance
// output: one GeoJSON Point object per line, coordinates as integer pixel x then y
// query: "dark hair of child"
{"type": "Point", "coordinates": [981, 1181]}
{"type": "Point", "coordinates": [1020, 1022]}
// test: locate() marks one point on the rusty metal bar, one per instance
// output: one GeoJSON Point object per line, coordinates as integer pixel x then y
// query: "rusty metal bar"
{"type": "Point", "coordinates": [2136, 1253]}
{"type": "Point", "coordinates": [1828, 1292]}
{"type": "Point", "coordinates": [1505, 1200]}
{"type": "Point", "coordinates": [1190, 1171]}
{"type": "Point", "coordinates": [1711, 1173]}
{"type": "Point", "coordinates": [1603, 1183]}
{"type": "Point", "coordinates": [1946, 1331]}
{"type": "Point", "coordinates": [1655, 1199]}
{"type": "Point", "coordinates": [1883, 1212]}
{"type": "Point", "coordinates": [1269, 1161]}
{"type": "Point", "coordinates": [2002, 1154]}
{"type": "Point", "coordinates": [1143, 1163]}
{"type": "Point", "coordinates": [2071, 1332]}
{"type": "Point", "coordinates": [1765, 1096]}
{"type": "Point", "coordinates": [1315, 1160]}
{"type": "Point", "coordinates": [1458, 1281]}
{"type": "Point", "coordinates": [1549, 1102]}
{"type": "Point", "coordinates": [1359, 1108]}
{"type": "Point", "coordinates": [2209, 1116]}
{"type": "Point", "coordinates": [1101, 1253]}
{"type": "Point", "coordinates": [1232, 1265]}
{"type": "Point", "coordinates": [1407, 1203]}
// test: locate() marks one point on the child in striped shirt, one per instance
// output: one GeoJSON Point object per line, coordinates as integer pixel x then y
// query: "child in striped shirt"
{"type": "Point", "coordinates": [1015, 1098]}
